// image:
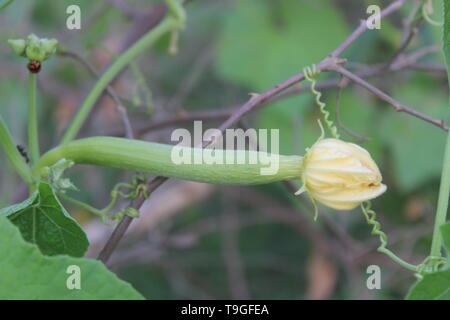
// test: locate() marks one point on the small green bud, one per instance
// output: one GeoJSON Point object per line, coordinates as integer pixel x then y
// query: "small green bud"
{"type": "Point", "coordinates": [54, 175]}
{"type": "Point", "coordinates": [45, 172]}
{"type": "Point", "coordinates": [18, 46]}
{"type": "Point", "coordinates": [49, 46]}
{"type": "Point", "coordinates": [32, 39]}
{"type": "Point", "coordinates": [34, 52]}
{"type": "Point", "coordinates": [64, 184]}
{"type": "Point", "coordinates": [34, 48]}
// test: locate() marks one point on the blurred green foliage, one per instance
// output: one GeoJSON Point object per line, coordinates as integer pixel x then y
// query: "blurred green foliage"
{"type": "Point", "coordinates": [254, 44]}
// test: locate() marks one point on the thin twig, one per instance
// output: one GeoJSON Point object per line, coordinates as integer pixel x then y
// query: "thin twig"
{"type": "Point", "coordinates": [340, 86]}
{"type": "Point", "coordinates": [363, 27]}
{"type": "Point", "coordinates": [410, 60]}
{"type": "Point", "coordinates": [190, 80]}
{"type": "Point", "coordinates": [432, 67]}
{"type": "Point", "coordinates": [119, 106]}
{"type": "Point", "coordinates": [411, 28]}
{"type": "Point", "coordinates": [399, 107]}
{"type": "Point", "coordinates": [401, 63]}
{"type": "Point", "coordinates": [257, 100]}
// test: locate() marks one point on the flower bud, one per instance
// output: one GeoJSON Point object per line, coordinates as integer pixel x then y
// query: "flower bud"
{"type": "Point", "coordinates": [340, 175]}
{"type": "Point", "coordinates": [34, 52]}
{"type": "Point", "coordinates": [18, 46]}
{"type": "Point", "coordinates": [34, 48]}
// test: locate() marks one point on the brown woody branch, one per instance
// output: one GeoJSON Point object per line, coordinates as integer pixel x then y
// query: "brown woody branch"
{"type": "Point", "coordinates": [399, 107]}
{"type": "Point", "coordinates": [401, 63]}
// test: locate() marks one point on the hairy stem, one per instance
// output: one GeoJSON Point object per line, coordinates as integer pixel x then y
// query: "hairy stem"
{"type": "Point", "coordinates": [13, 155]}
{"type": "Point", "coordinates": [33, 138]}
{"type": "Point", "coordinates": [167, 25]}
{"type": "Point", "coordinates": [237, 167]}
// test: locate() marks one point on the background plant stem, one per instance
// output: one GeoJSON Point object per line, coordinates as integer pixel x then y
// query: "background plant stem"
{"type": "Point", "coordinates": [444, 189]}
{"type": "Point", "coordinates": [33, 138]}
{"type": "Point", "coordinates": [442, 206]}
{"type": "Point", "coordinates": [81, 204]}
{"type": "Point", "coordinates": [13, 155]}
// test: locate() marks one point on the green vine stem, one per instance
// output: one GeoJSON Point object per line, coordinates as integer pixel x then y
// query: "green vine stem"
{"type": "Point", "coordinates": [82, 205]}
{"type": "Point", "coordinates": [442, 206]}
{"type": "Point", "coordinates": [33, 137]}
{"type": "Point", "coordinates": [444, 189]}
{"type": "Point", "coordinates": [170, 23]}
{"type": "Point", "coordinates": [103, 214]}
{"type": "Point", "coordinates": [13, 155]}
{"type": "Point", "coordinates": [157, 159]}
{"type": "Point", "coordinates": [371, 218]}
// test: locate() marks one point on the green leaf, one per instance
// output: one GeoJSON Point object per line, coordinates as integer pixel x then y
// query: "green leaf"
{"type": "Point", "coordinates": [434, 286]}
{"type": "Point", "coordinates": [27, 274]}
{"type": "Point", "coordinates": [42, 220]}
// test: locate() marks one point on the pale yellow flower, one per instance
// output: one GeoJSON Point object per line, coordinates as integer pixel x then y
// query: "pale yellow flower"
{"type": "Point", "coordinates": [340, 175]}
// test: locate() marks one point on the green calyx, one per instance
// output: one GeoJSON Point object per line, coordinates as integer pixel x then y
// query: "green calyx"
{"type": "Point", "coordinates": [33, 47]}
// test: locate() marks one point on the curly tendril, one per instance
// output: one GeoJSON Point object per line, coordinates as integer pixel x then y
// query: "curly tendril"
{"type": "Point", "coordinates": [371, 218]}
{"type": "Point", "coordinates": [427, 9]}
{"type": "Point", "coordinates": [136, 187]}
{"type": "Point", "coordinates": [429, 265]}
{"type": "Point", "coordinates": [310, 74]}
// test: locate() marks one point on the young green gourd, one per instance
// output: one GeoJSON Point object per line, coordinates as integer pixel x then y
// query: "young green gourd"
{"type": "Point", "coordinates": [338, 174]}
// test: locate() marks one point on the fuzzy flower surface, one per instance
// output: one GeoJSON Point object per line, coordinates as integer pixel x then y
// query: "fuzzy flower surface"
{"type": "Point", "coordinates": [340, 175]}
